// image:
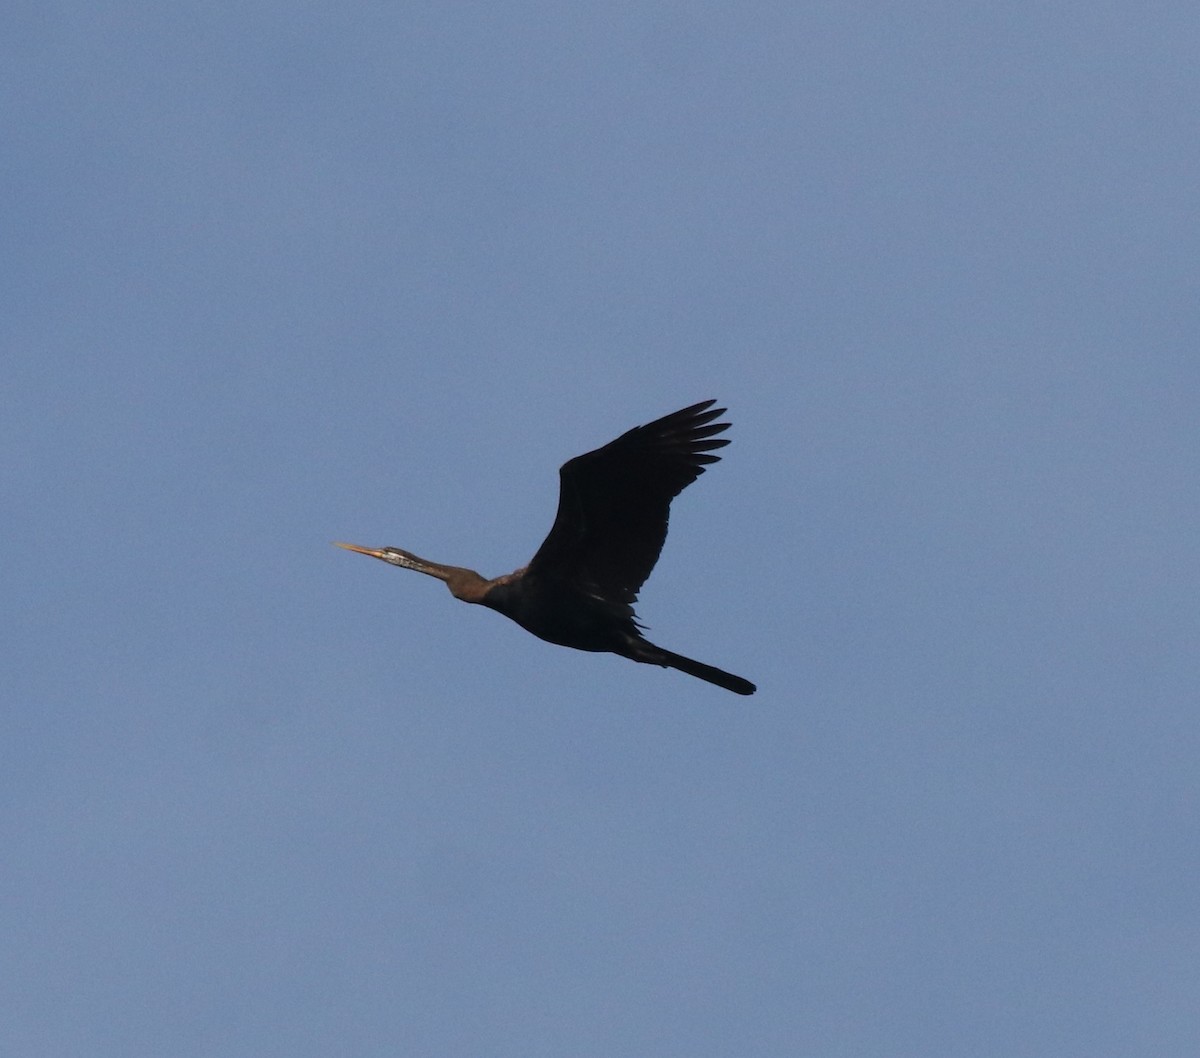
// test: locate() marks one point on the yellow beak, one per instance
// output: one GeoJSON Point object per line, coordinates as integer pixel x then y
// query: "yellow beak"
{"type": "Point", "coordinates": [373, 552]}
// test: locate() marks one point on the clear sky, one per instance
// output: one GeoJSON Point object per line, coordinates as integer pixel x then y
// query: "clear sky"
{"type": "Point", "coordinates": [278, 274]}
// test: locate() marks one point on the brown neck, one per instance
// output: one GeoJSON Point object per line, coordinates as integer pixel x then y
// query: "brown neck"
{"type": "Point", "coordinates": [463, 583]}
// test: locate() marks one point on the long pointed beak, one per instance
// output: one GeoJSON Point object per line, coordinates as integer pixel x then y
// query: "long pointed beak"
{"type": "Point", "coordinates": [373, 552]}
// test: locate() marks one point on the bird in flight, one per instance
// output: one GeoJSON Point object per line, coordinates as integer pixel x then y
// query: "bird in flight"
{"type": "Point", "coordinates": [613, 504]}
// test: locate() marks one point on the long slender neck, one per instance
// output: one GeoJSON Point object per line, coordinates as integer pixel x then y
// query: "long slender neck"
{"type": "Point", "coordinates": [463, 583]}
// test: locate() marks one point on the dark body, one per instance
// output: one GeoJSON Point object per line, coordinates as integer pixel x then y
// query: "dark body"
{"type": "Point", "coordinates": [579, 589]}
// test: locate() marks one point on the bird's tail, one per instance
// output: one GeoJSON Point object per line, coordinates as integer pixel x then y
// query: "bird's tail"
{"type": "Point", "coordinates": [652, 655]}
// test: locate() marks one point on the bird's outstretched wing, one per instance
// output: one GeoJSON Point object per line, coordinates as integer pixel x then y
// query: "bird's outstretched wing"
{"type": "Point", "coordinates": [614, 502]}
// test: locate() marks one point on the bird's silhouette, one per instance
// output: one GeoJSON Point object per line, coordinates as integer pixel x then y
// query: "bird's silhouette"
{"type": "Point", "coordinates": [579, 589]}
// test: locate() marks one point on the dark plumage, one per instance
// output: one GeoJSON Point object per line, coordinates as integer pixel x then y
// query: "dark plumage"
{"type": "Point", "coordinates": [579, 589]}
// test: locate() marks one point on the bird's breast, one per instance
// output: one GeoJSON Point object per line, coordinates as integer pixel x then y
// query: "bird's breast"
{"type": "Point", "coordinates": [559, 615]}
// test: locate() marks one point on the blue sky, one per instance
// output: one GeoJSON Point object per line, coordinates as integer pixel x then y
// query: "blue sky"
{"type": "Point", "coordinates": [283, 274]}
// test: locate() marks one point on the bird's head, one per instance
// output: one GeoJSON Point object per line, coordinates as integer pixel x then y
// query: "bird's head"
{"type": "Point", "coordinates": [464, 584]}
{"type": "Point", "coordinates": [392, 555]}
